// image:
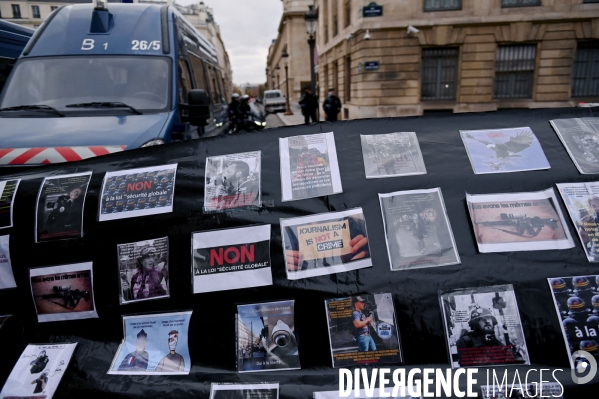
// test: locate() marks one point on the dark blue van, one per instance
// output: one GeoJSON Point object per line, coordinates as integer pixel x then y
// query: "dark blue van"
{"type": "Point", "coordinates": [13, 39]}
{"type": "Point", "coordinates": [92, 81]}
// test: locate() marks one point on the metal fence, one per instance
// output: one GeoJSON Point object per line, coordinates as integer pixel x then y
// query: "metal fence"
{"type": "Point", "coordinates": [514, 71]}
{"type": "Point", "coordinates": [439, 73]}
{"type": "Point", "coordinates": [585, 72]}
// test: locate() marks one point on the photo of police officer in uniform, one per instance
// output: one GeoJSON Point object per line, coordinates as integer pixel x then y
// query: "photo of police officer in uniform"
{"type": "Point", "coordinates": [483, 327]}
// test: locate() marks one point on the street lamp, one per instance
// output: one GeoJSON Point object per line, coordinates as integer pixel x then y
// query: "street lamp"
{"type": "Point", "coordinates": [278, 68]}
{"type": "Point", "coordinates": [285, 56]}
{"type": "Point", "coordinates": [311, 17]}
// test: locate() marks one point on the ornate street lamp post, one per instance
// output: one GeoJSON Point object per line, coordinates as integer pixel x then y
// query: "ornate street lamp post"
{"type": "Point", "coordinates": [311, 18]}
{"type": "Point", "coordinates": [285, 56]}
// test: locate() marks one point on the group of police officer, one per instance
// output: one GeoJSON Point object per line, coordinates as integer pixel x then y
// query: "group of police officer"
{"type": "Point", "coordinates": [239, 108]}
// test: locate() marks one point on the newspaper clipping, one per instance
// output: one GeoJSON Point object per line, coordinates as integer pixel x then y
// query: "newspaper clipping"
{"type": "Point", "coordinates": [582, 203]}
{"type": "Point", "coordinates": [483, 327]}
{"type": "Point", "coordinates": [417, 229]}
{"type": "Point", "coordinates": [576, 301]}
{"type": "Point", "coordinates": [393, 154]}
{"type": "Point", "coordinates": [138, 192]}
{"type": "Point", "coordinates": [363, 330]}
{"type": "Point", "coordinates": [265, 390]}
{"type": "Point", "coordinates": [38, 371]}
{"type": "Point", "coordinates": [7, 278]}
{"type": "Point", "coordinates": [580, 136]}
{"type": "Point", "coordinates": [521, 391]}
{"type": "Point", "coordinates": [518, 222]}
{"type": "Point", "coordinates": [232, 181]}
{"type": "Point", "coordinates": [504, 150]}
{"type": "Point", "coordinates": [143, 269]}
{"type": "Point", "coordinates": [266, 337]}
{"type": "Point", "coordinates": [325, 243]}
{"type": "Point", "coordinates": [309, 166]}
{"type": "Point", "coordinates": [231, 259]}
{"type": "Point", "coordinates": [153, 345]}
{"type": "Point", "coordinates": [59, 212]}
{"type": "Point", "coordinates": [8, 188]}
{"type": "Point", "coordinates": [63, 292]}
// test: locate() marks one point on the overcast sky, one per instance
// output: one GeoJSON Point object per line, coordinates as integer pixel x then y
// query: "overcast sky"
{"type": "Point", "coordinates": [247, 28]}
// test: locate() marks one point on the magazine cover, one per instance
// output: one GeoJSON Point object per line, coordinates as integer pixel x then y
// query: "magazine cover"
{"type": "Point", "coordinates": [417, 229]}
{"type": "Point", "coordinates": [518, 222]}
{"type": "Point", "coordinates": [38, 371]}
{"type": "Point", "coordinates": [390, 155]}
{"type": "Point", "coordinates": [143, 267]}
{"type": "Point", "coordinates": [7, 279]}
{"type": "Point", "coordinates": [137, 192]}
{"type": "Point", "coordinates": [266, 337]}
{"type": "Point", "coordinates": [8, 188]}
{"type": "Point", "coordinates": [260, 390]}
{"type": "Point", "coordinates": [232, 181]}
{"type": "Point", "coordinates": [374, 392]}
{"type": "Point", "coordinates": [483, 327]}
{"type": "Point", "coordinates": [582, 203]}
{"type": "Point", "coordinates": [63, 292]}
{"type": "Point", "coordinates": [521, 391]}
{"type": "Point", "coordinates": [231, 259]}
{"type": "Point", "coordinates": [580, 136]}
{"type": "Point", "coordinates": [59, 210]}
{"type": "Point", "coordinates": [576, 301]}
{"type": "Point", "coordinates": [325, 243]}
{"type": "Point", "coordinates": [504, 150]}
{"type": "Point", "coordinates": [154, 344]}
{"type": "Point", "coordinates": [363, 330]}
{"type": "Point", "coordinates": [309, 166]}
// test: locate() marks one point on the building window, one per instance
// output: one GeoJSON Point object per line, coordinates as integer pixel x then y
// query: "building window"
{"type": "Point", "coordinates": [514, 71]}
{"type": "Point", "coordinates": [52, 8]}
{"type": "Point", "coordinates": [585, 73]}
{"type": "Point", "coordinates": [335, 19]}
{"type": "Point", "coordinates": [347, 76]}
{"type": "Point", "coordinates": [336, 76]}
{"type": "Point", "coordinates": [440, 5]}
{"type": "Point", "coordinates": [347, 13]}
{"type": "Point", "coordinates": [35, 11]}
{"type": "Point", "coordinates": [519, 3]}
{"type": "Point", "coordinates": [439, 73]}
{"type": "Point", "coordinates": [590, 1]}
{"type": "Point", "coordinates": [16, 11]}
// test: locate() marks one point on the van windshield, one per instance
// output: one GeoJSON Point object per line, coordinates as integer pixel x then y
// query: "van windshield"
{"type": "Point", "coordinates": [272, 95]}
{"type": "Point", "coordinates": [140, 82]}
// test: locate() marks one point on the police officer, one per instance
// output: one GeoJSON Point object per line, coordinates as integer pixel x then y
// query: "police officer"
{"type": "Point", "coordinates": [233, 110]}
{"type": "Point", "coordinates": [243, 109]}
{"type": "Point", "coordinates": [331, 106]}
{"type": "Point", "coordinates": [309, 105]}
{"type": "Point", "coordinates": [482, 323]}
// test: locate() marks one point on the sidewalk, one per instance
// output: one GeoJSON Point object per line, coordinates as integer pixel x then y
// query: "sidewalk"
{"type": "Point", "coordinates": [296, 119]}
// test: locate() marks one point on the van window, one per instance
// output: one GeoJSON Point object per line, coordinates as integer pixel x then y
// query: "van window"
{"type": "Point", "coordinates": [184, 83]}
{"type": "Point", "coordinates": [272, 95]}
{"type": "Point", "coordinates": [216, 97]}
{"type": "Point", "coordinates": [199, 75]}
{"type": "Point", "coordinates": [62, 81]}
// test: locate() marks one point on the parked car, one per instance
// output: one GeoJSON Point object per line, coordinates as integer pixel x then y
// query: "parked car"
{"type": "Point", "coordinates": [274, 101]}
{"type": "Point", "coordinates": [107, 80]}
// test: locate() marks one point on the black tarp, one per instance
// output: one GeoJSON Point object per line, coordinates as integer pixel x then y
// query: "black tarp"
{"type": "Point", "coordinates": [213, 329]}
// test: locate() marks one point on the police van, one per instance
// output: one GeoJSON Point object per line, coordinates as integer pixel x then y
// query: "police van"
{"type": "Point", "coordinates": [93, 81]}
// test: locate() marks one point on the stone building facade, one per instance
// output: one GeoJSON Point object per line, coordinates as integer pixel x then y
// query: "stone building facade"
{"type": "Point", "coordinates": [463, 56]}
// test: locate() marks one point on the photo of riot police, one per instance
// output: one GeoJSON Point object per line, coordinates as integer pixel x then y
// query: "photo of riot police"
{"type": "Point", "coordinates": [363, 329]}
{"type": "Point", "coordinates": [483, 327]}
{"type": "Point", "coordinates": [580, 136]}
{"type": "Point", "coordinates": [60, 207]}
{"type": "Point", "coordinates": [576, 301]}
{"type": "Point", "coordinates": [144, 272]}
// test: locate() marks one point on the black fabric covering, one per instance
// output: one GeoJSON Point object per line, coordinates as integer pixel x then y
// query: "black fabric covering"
{"type": "Point", "coordinates": [212, 336]}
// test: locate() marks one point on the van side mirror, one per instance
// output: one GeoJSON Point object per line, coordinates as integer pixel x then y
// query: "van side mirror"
{"type": "Point", "coordinates": [198, 106]}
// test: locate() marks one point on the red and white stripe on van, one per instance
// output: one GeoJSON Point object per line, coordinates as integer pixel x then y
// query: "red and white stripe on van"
{"type": "Point", "coordinates": [45, 155]}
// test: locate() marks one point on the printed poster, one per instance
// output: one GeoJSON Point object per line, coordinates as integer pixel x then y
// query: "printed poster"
{"type": "Point", "coordinates": [417, 230]}
{"type": "Point", "coordinates": [309, 166]}
{"type": "Point", "coordinates": [580, 136]}
{"type": "Point", "coordinates": [536, 390]}
{"type": "Point", "coordinates": [391, 155]}
{"type": "Point", "coordinates": [576, 302]}
{"type": "Point", "coordinates": [143, 269]}
{"type": "Point", "coordinates": [232, 181]}
{"type": "Point", "coordinates": [363, 330]}
{"type": "Point", "coordinates": [231, 259]}
{"type": "Point", "coordinates": [504, 150]}
{"type": "Point", "coordinates": [7, 279]}
{"type": "Point", "coordinates": [244, 391]}
{"type": "Point", "coordinates": [138, 192]}
{"type": "Point", "coordinates": [63, 292]}
{"type": "Point", "coordinates": [38, 371]}
{"type": "Point", "coordinates": [154, 345]}
{"type": "Point", "coordinates": [518, 222]}
{"type": "Point", "coordinates": [582, 203]}
{"type": "Point", "coordinates": [266, 337]}
{"type": "Point", "coordinates": [325, 243]}
{"type": "Point", "coordinates": [59, 211]}
{"type": "Point", "coordinates": [483, 327]}
{"type": "Point", "coordinates": [8, 188]}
